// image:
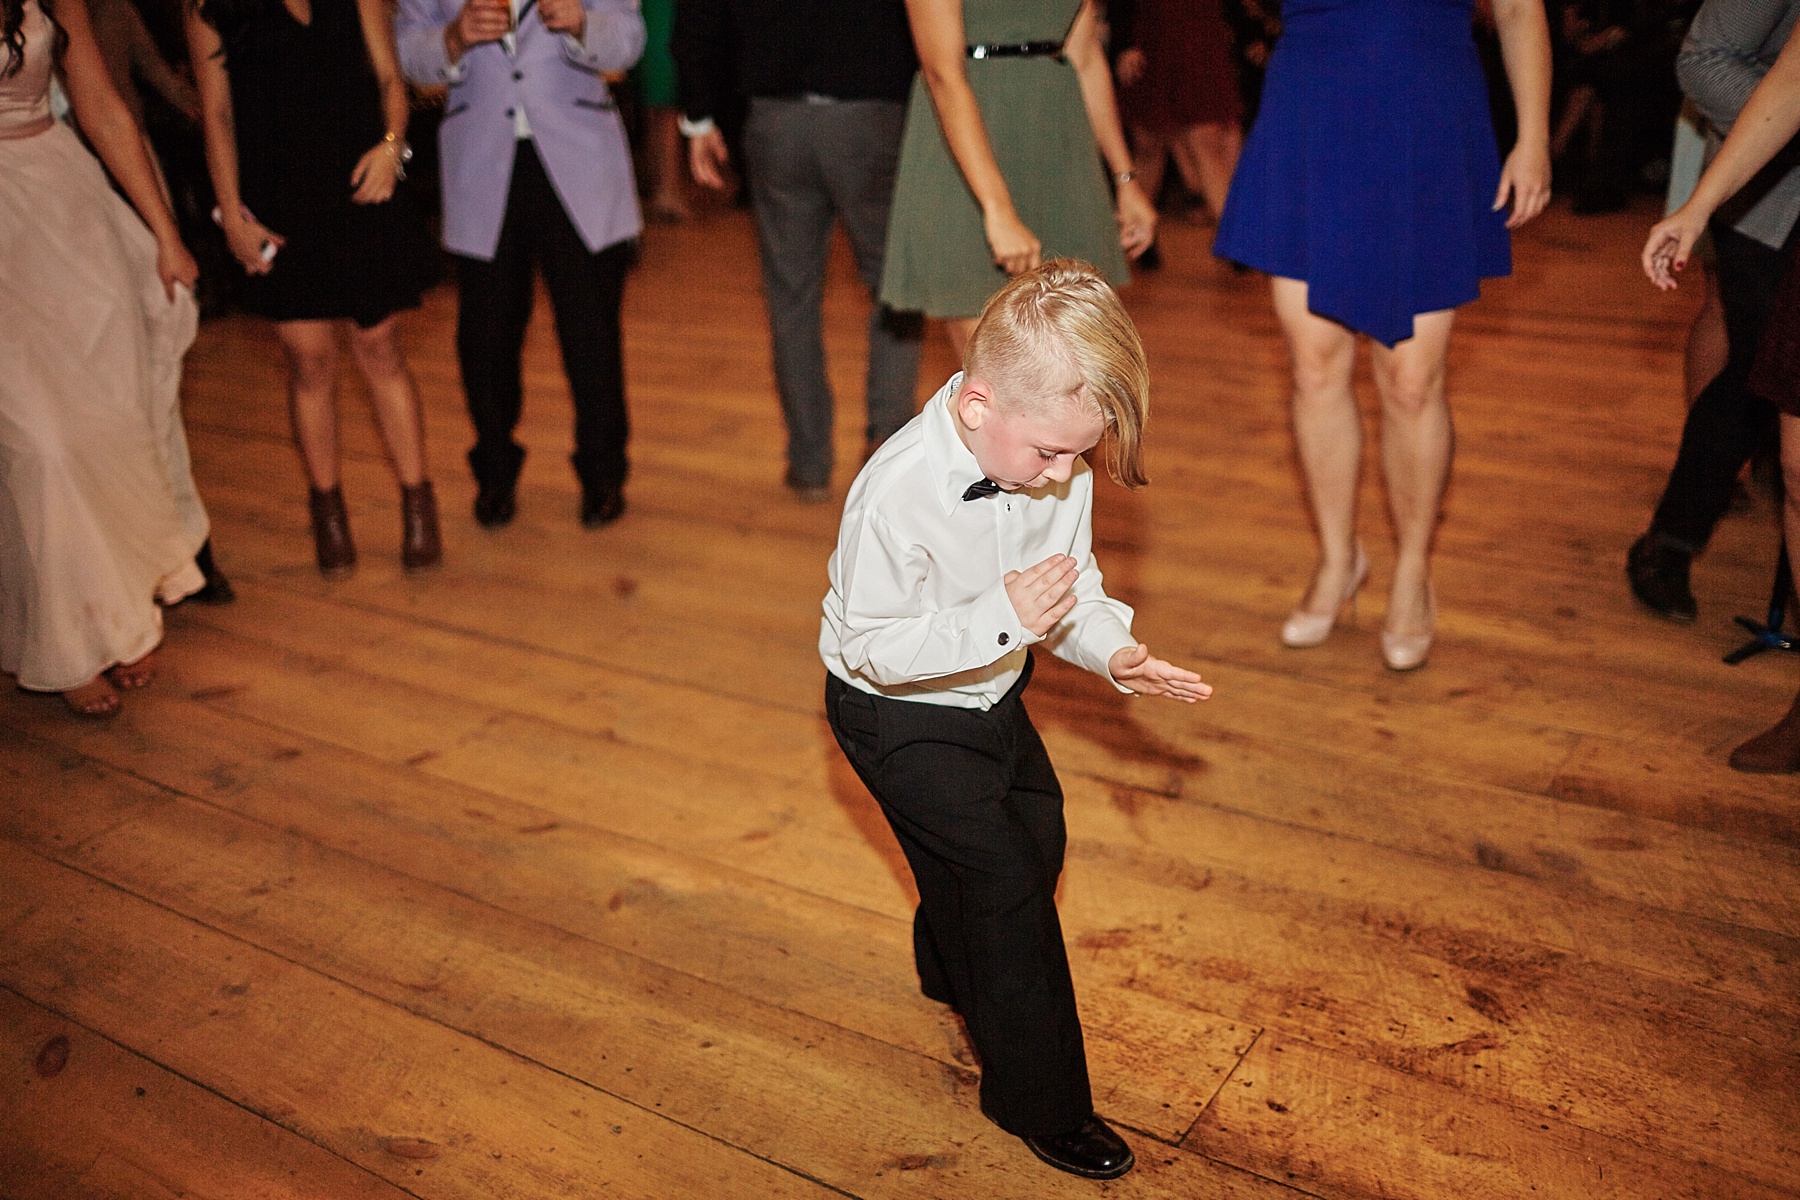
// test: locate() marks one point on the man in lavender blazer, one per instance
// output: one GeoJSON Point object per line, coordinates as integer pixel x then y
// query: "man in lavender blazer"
{"type": "Point", "coordinates": [536, 174]}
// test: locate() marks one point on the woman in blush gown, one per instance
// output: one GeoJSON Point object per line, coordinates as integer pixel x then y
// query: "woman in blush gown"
{"type": "Point", "coordinates": [98, 514]}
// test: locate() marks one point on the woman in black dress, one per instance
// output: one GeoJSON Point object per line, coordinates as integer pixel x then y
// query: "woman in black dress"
{"type": "Point", "coordinates": [305, 116]}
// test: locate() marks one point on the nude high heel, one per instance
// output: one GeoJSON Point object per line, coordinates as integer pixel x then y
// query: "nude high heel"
{"type": "Point", "coordinates": [1304, 628]}
{"type": "Point", "coordinates": [1407, 651]}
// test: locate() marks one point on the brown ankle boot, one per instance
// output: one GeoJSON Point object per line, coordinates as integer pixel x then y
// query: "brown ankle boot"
{"type": "Point", "coordinates": [1774, 751]}
{"type": "Point", "coordinates": [421, 545]}
{"type": "Point", "coordinates": [331, 533]}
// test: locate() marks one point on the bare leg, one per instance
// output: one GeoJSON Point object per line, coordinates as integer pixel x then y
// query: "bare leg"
{"type": "Point", "coordinates": [1416, 445]}
{"type": "Point", "coordinates": [1149, 157]}
{"type": "Point", "coordinates": [1575, 114]}
{"type": "Point", "coordinates": [311, 348]}
{"type": "Point", "coordinates": [1708, 344]}
{"type": "Point", "coordinates": [395, 395]}
{"type": "Point", "coordinates": [663, 142]}
{"type": "Point", "coordinates": [1207, 156]}
{"type": "Point", "coordinates": [1327, 433]}
{"type": "Point", "coordinates": [959, 329]}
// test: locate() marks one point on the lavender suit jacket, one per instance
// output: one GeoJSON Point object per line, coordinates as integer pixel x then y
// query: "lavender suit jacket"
{"type": "Point", "coordinates": [573, 120]}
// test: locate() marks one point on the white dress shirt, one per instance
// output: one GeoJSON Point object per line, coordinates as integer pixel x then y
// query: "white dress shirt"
{"type": "Point", "coordinates": [918, 608]}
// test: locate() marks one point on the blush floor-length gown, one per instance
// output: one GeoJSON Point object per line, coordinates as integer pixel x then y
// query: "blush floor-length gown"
{"type": "Point", "coordinates": [99, 518]}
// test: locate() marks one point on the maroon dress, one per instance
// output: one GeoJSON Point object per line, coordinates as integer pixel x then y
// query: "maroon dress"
{"type": "Point", "coordinates": [1190, 67]}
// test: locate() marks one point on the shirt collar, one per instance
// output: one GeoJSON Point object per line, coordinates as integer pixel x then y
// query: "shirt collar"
{"type": "Point", "coordinates": [953, 466]}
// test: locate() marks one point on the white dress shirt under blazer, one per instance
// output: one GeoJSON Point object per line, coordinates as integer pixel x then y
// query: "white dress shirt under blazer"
{"type": "Point", "coordinates": [918, 608]}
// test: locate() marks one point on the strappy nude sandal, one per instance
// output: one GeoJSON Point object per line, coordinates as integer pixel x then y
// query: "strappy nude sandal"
{"type": "Point", "coordinates": [132, 675]}
{"type": "Point", "coordinates": [95, 698]}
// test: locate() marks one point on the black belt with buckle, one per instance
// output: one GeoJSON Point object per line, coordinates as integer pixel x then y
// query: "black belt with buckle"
{"type": "Point", "coordinates": [1017, 50]}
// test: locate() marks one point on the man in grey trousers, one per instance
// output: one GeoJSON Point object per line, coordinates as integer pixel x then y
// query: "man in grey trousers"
{"type": "Point", "coordinates": [827, 81]}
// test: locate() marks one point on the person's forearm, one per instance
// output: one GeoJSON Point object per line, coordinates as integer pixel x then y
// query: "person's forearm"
{"type": "Point", "coordinates": [1525, 51]}
{"type": "Point", "coordinates": [1102, 105]}
{"type": "Point", "coordinates": [939, 37]}
{"type": "Point", "coordinates": [113, 134]}
{"type": "Point", "coordinates": [396, 106]}
{"type": "Point", "coordinates": [1769, 121]}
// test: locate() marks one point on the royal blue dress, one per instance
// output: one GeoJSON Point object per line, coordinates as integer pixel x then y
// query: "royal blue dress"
{"type": "Point", "coordinates": [1371, 170]}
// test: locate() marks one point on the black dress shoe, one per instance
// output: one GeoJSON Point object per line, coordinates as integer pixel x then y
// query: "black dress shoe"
{"type": "Point", "coordinates": [601, 505]}
{"type": "Point", "coordinates": [1093, 1152]}
{"type": "Point", "coordinates": [494, 505]}
{"type": "Point", "coordinates": [1658, 571]}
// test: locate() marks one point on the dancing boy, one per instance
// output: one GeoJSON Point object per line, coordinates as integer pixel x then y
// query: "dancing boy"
{"type": "Point", "coordinates": [965, 540]}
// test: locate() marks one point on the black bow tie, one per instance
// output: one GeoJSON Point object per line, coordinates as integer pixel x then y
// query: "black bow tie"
{"type": "Point", "coordinates": [985, 487]}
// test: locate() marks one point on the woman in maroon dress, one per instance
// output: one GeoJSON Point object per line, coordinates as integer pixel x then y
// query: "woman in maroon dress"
{"type": "Point", "coordinates": [1178, 92]}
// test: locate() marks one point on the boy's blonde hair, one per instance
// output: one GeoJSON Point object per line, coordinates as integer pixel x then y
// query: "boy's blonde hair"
{"type": "Point", "coordinates": [1058, 332]}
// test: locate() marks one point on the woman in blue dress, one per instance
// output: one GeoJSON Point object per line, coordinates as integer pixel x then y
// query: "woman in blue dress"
{"type": "Point", "coordinates": [1371, 192]}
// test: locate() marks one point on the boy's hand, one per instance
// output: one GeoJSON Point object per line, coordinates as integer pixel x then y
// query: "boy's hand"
{"type": "Point", "coordinates": [1133, 668]}
{"type": "Point", "coordinates": [1041, 595]}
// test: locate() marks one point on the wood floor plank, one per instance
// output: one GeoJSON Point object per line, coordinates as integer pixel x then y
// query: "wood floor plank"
{"type": "Point", "coordinates": [1440, 986]}
{"type": "Point", "coordinates": [1293, 1110]}
{"type": "Point", "coordinates": [440, 1113]}
{"type": "Point", "coordinates": [749, 1074]}
{"type": "Point", "coordinates": [1156, 749]}
{"type": "Point", "coordinates": [83, 1119]}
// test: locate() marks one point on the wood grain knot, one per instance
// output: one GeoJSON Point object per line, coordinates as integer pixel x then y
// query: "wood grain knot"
{"type": "Point", "coordinates": [411, 1148]}
{"type": "Point", "coordinates": [52, 1057]}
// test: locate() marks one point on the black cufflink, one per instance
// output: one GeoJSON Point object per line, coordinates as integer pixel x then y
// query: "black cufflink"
{"type": "Point", "coordinates": [1005, 638]}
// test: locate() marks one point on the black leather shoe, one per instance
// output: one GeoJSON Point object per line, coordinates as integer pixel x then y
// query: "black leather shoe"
{"type": "Point", "coordinates": [1658, 571]}
{"type": "Point", "coordinates": [1093, 1152]}
{"type": "Point", "coordinates": [494, 505]}
{"type": "Point", "coordinates": [601, 505]}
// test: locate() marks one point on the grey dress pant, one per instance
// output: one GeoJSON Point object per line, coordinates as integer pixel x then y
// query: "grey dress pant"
{"type": "Point", "coordinates": [814, 162]}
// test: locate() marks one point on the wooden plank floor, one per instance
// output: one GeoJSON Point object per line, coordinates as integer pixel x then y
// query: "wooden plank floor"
{"type": "Point", "coordinates": [540, 876]}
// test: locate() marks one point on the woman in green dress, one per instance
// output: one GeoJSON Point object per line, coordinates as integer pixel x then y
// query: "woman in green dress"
{"type": "Point", "coordinates": [1011, 117]}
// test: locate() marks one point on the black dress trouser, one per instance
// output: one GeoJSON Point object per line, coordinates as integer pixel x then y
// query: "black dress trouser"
{"type": "Point", "coordinates": [1728, 422]}
{"type": "Point", "coordinates": [494, 306]}
{"type": "Point", "coordinates": [974, 801]}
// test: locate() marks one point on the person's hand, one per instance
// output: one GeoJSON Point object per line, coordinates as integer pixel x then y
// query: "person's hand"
{"type": "Point", "coordinates": [479, 21]}
{"type": "Point", "coordinates": [376, 173]}
{"type": "Point", "coordinates": [1525, 180]}
{"type": "Point", "coordinates": [1042, 595]}
{"type": "Point", "coordinates": [175, 265]}
{"type": "Point", "coordinates": [1130, 67]}
{"type": "Point", "coordinates": [1670, 243]}
{"type": "Point", "coordinates": [707, 157]}
{"type": "Point", "coordinates": [248, 240]}
{"type": "Point", "coordinates": [1136, 217]}
{"type": "Point", "coordinates": [1016, 249]}
{"type": "Point", "coordinates": [1132, 667]}
{"type": "Point", "coordinates": [564, 16]}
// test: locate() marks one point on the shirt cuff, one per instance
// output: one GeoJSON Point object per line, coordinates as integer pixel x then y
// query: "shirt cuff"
{"type": "Point", "coordinates": [700, 128]}
{"type": "Point", "coordinates": [995, 625]}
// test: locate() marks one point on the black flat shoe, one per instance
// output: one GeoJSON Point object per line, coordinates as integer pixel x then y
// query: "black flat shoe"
{"type": "Point", "coordinates": [494, 505]}
{"type": "Point", "coordinates": [218, 589]}
{"type": "Point", "coordinates": [1093, 1152]}
{"type": "Point", "coordinates": [601, 506]}
{"type": "Point", "coordinates": [1658, 571]}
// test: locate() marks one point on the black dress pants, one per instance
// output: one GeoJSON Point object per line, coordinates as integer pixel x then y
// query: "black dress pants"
{"type": "Point", "coordinates": [974, 801]}
{"type": "Point", "coordinates": [493, 307]}
{"type": "Point", "coordinates": [1728, 422]}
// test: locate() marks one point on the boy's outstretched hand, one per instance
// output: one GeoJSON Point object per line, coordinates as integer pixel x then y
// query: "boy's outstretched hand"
{"type": "Point", "coordinates": [1041, 595]}
{"type": "Point", "coordinates": [1133, 667]}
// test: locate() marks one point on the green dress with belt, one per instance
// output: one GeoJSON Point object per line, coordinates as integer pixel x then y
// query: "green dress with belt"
{"type": "Point", "coordinates": [938, 260]}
